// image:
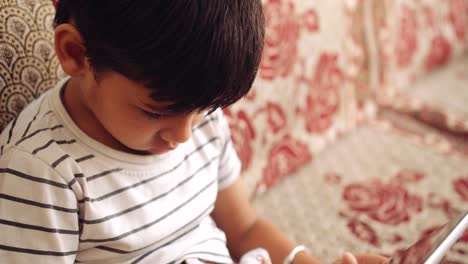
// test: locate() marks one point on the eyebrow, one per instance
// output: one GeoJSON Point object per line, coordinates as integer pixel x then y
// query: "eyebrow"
{"type": "Point", "coordinates": [161, 109]}
{"type": "Point", "coordinates": [168, 108]}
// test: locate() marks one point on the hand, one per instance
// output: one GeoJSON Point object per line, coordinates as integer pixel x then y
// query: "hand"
{"type": "Point", "coordinates": [256, 256]}
{"type": "Point", "coordinates": [349, 258]}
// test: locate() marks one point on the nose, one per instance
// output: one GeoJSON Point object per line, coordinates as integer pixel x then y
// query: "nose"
{"type": "Point", "coordinates": [179, 130]}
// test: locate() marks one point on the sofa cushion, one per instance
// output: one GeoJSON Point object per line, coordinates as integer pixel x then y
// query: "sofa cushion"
{"type": "Point", "coordinates": [411, 124]}
{"type": "Point", "coordinates": [439, 98]}
{"type": "Point", "coordinates": [397, 44]}
{"type": "Point", "coordinates": [301, 98]}
{"type": "Point", "coordinates": [28, 65]}
{"type": "Point", "coordinates": [416, 37]}
{"type": "Point", "coordinates": [375, 190]}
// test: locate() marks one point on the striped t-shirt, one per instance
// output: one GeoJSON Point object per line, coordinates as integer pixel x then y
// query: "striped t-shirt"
{"type": "Point", "coordinates": [66, 198]}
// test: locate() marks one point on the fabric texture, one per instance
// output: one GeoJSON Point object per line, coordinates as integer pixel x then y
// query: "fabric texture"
{"type": "Point", "coordinates": [459, 142]}
{"type": "Point", "coordinates": [439, 99]}
{"type": "Point", "coordinates": [375, 190]}
{"type": "Point", "coordinates": [301, 99]}
{"type": "Point", "coordinates": [411, 56]}
{"type": "Point", "coordinates": [417, 37]}
{"type": "Point", "coordinates": [28, 65]}
{"type": "Point", "coordinates": [87, 202]}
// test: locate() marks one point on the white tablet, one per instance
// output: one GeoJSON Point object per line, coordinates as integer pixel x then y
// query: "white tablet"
{"type": "Point", "coordinates": [432, 249]}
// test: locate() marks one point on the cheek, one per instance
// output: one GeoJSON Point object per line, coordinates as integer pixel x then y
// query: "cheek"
{"type": "Point", "coordinates": [127, 126]}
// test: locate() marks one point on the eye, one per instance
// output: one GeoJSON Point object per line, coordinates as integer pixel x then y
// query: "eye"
{"type": "Point", "coordinates": [151, 115]}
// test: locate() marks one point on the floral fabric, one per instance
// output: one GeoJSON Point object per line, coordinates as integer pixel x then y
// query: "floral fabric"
{"type": "Point", "coordinates": [378, 189]}
{"type": "Point", "coordinates": [301, 99]}
{"type": "Point", "coordinates": [398, 47]}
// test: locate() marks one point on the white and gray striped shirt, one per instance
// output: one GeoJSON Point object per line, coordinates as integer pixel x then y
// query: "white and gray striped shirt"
{"type": "Point", "coordinates": [66, 198]}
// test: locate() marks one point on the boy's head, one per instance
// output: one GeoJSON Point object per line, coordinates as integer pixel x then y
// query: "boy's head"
{"type": "Point", "coordinates": [200, 54]}
{"type": "Point", "coordinates": [148, 69]}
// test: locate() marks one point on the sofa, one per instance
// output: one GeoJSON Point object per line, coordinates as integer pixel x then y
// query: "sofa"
{"type": "Point", "coordinates": [354, 136]}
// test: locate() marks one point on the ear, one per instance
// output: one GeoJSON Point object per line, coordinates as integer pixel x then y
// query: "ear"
{"type": "Point", "coordinates": [70, 50]}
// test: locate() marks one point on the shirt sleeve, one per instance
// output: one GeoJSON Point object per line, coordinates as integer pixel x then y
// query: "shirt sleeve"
{"type": "Point", "coordinates": [38, 212]}
{"type": "Point", "coordinates": [230, 164]}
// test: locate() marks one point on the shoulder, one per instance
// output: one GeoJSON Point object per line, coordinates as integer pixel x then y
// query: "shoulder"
{"type": "Point", "coordinates": [23, 164]}
{"type": "Point", "coordinates": [43, 155]}
{"type": "Point", "coordinates": [36, 145]}
{"type": "Point", "coordinates": [36, 116]}
{"type": "Point", "coordinates": [39, 117]}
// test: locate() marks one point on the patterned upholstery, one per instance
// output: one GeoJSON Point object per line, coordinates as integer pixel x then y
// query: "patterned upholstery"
{"type": "Point", "coordinates": [316, 55]}
{"type": "Point", "coordinates": [28, 65]}
{"type": "Point", "coordinates": [301, 99]}
{"type": "Point", "coordinates": [377, 189]}
{"type": "Point", "coordinates": [381, 186]}
{"type": "Point", "coordinates": [409, 54]}
{"type": "Point", "coordinates": [439, 98]}
{"type": "Point", "coordinates": [418, 37]}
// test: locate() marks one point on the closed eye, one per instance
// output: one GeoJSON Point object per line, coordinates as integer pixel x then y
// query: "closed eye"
{"type": "Point", "coordinates": [151, 115]}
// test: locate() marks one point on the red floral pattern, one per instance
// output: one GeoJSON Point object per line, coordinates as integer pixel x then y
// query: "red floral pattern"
{"type": "Point", "coordinates": [285, 158]}
{"type": "Point", "coordinates": [464, 238]}
{"type": "Point", "coordinates": [415, 38]}
{"type": "Point", "coordinates": [407, 42]}
{"type": "Point", "coordinates": [283, 30]}
{"type": "Point", "coordinates": [363, 231]}
{"type": "Point", "coordinates": [458, 17]}
{"type": "Point", "coordinates": [242, 134]}
{"type": "Point", "coordinates": [430, 18]}
{"type": "Point", "coordinates": [323, 96]}
{"type": "Point", "coordinates": [461, 187]}
{"type": "Point", "coordinates": [393, 205]}
{"type": "Point", "coordinates": [282, 24]}
{"type": "Point", "coordinates": [439, 54]}
{"type": "Point", "coordinates": [276, 117]}
{"type": "Point", "coordinates": [437, 202]}
{"type": "Point", "coordinates": [416, 253]}
{"type": "Point", "coordinates": [386, 203]}
{"type": "Point", "coordinates": [310, 20]}
{"type": "Point", "coordinates": [265, 127]}
{"type": "Point", "coordinates": [421, 31]}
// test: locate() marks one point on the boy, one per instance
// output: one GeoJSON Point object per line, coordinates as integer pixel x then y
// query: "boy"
{"type": "Point", "coordinates": [129, 160]}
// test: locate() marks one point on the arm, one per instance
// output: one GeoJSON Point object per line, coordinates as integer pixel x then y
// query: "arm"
{"type": "Point", "coordinates": [234, 214]}
{"type": "Point", "coordinates": [245, 231]}
{"type": "Point", "coordinates": [38, 212]}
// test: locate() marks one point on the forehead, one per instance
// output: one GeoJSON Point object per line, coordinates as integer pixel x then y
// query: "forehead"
{"type": "Point", "coordinates": [136, 93]}
{"type": "Point", "coordinates": [118, 84]}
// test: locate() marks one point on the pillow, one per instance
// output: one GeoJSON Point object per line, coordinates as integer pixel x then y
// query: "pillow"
{"type": "Point", "coordinates": [411, 55]}
{"type": "Point", "coordinates": [301, 100]}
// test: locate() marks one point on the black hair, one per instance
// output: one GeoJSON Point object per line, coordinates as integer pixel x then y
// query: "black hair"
{"type": "Point", "coordinates": [201, 54]}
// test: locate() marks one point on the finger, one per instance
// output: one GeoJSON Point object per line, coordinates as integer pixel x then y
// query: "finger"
{"type": "Point", "coordinates": [349, 258]}
{"type": "Point", "coordinates": [371, 259]}
{"type": "Point", "coordinates": [257, 256]}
